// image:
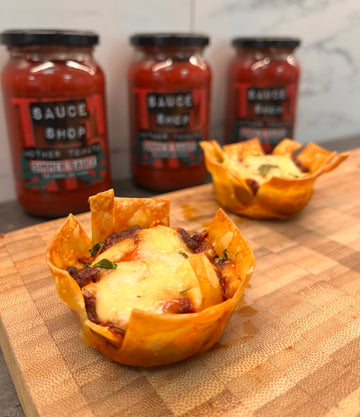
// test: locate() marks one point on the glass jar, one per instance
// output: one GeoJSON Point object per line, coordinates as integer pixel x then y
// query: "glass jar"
{"type": "Point", "coordinates": [169, 93]}
{"type": "Point", "coordinates": [54, 99]}
{"type": "Point", "coordinates": [262, 87]}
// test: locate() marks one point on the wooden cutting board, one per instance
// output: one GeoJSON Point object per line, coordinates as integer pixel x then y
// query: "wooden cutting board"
{"type": "Point", "coordinates": [291, 349]}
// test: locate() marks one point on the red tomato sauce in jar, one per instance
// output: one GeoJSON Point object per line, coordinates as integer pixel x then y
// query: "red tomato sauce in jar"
{"type": "Point", "coordinates": [262, 85]}
{"type": "Point", "coordinates": [54, 98]}
{"type": "Point", "coordinates": [169, 95]}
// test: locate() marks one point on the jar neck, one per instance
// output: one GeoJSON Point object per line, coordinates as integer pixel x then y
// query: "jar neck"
{"type": "Point", "coordinates": [176, 53]}
{"type": "Point", "coordinates": [51, 52]}
{"type": "Point", "coordinates": [260, 53]}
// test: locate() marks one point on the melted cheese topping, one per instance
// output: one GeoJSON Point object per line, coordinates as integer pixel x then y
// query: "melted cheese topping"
{"type": "Point", "coordinates": [156, 269]}
{"type": "Point", "coordinates": [262, 167]}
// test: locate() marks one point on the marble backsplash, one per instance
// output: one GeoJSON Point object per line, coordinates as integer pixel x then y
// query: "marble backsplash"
{"type": "Point", "coordinates": [329, 96]}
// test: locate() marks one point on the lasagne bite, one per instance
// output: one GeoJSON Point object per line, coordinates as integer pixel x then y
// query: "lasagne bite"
{"type": "Point", "coordinates": [145, 293]}
{"type": "Point", "coordinates": [257, 185]}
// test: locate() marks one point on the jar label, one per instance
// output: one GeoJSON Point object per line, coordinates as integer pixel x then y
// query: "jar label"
{"type": "Point", "coordinates": [170, 126]}
{"type": "Point", "coordinates": [63, 142]}
{"type": "Point", "coordinates": [267, 113]}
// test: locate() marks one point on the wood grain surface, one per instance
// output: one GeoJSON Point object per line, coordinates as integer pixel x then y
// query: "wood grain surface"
{"type": "Point", "coordinates": [292, 348]}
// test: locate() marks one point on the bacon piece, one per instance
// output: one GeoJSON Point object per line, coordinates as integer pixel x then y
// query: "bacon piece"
{"type": "Point", "coordinates": [224, 284]}
{"type": "Point", "coordinates": [197, 243]}
{"type": "Point", "coordinates": [226, 272]}
{"type": "Point", "coordinates": [83, 276]}
{"type": "Point", "coordinates": [181, 305]}
{"type": "Point", "coordinates": [116, 237]}
{"type": "Point", "coordinates": [184, 235]}
{"type": "Point", "coordinates": [90, 306]}
{"type": "Point", "coordinates": [300, 165]}
{"type": "Point", "coordinates": [253, 185]}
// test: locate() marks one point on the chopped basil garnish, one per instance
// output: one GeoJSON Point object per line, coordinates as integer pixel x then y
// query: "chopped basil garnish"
{"type": "Point", "coordinates": [93, 251]}
{"type": "Point", "coordinates": [106, 264]}
{"type": "Point", "coordinates": [183, 292]}
{"type": "Point", "coordinates": [87, 264]}
{"type": "Point", "coordinates": [264, 169]}
{"type": "Point", "coordinates": [182, 253]}
{"type": "Point", "coordinates": [117, 326]}
{"type": "Point", "coordinates": [222, 257]}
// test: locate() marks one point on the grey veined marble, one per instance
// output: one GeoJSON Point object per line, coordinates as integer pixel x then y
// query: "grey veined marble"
{"type": "Point", "coordinates": [329, 91]}
{"type": "Point", "coordinates": [329, 94]}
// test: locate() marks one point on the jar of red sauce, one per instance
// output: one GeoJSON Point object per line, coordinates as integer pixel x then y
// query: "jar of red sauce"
{"type": "Point", "coordinates": [262, 87]}
{"type": "Point", "coordinates": [54, 99]}
{"type": "Point", "coordinates": [169, 93]}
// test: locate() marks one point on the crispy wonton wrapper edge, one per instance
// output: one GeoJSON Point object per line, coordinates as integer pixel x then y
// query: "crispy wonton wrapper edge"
{"type": "Point", "coordinates": [150, 339]}
{"type": "Point", "coordinates": [281, 198]}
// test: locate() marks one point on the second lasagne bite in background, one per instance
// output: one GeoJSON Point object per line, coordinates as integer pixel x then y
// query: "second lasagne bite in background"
{"type": "Point", "coordinates": [257, 185]}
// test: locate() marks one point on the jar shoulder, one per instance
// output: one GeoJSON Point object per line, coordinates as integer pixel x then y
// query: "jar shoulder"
{"type": "Point", "coordinates": [253, 63]}
{"type": "Point", "coordinates": [266, 69]}
{"type": "Point", "coordinates": [151, 71]}
{"type": "Point", "coordinates": [24, 74]}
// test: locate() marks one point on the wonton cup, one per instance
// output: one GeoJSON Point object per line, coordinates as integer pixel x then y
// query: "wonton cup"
{"type": "Point", "coordinates": [281, 198]}
{"type": "Point", "coordinates": [151, 339]}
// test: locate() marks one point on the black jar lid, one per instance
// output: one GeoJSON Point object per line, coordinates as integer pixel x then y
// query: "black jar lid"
{"type": "Point", "coordinates": [266, 42]}
{"type": "Point", "coordinates": [48, 37]}
{"type": "Point", "coordinates": [169, 39]}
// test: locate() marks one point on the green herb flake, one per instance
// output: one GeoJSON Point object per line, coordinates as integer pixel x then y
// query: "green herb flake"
{"type": "Point", "coordinates": [105, 264]}
{"type": "Point", "coordinates": [87, 265]}
{"type": "Point", "coordinates": [182, 253]}
{"type": "Point", "coordinates": [264, 169]}
{"type": "Point", "coordinates": [117, 326]}
{"type": "Point", "coordinates": [95, 250]}
{"type": "Point", "coordinates": [183, 292]}
{"type": "Point", "coordinates": [222, 257]}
